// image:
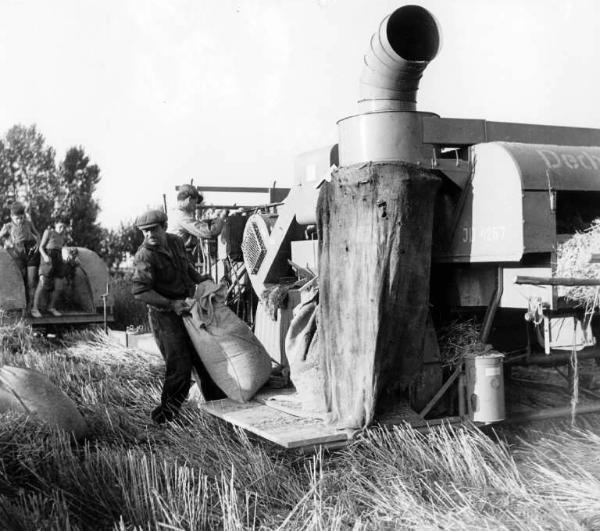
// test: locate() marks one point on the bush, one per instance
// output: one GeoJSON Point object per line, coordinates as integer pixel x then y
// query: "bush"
{"type": "Point", "coordinates": [127, 310]}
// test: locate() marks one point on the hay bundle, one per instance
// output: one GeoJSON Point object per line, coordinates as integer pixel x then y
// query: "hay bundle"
{"type": "Point", "coordinates": [572, 260]}
{"type": "Point", "coordinates": [15, 337]}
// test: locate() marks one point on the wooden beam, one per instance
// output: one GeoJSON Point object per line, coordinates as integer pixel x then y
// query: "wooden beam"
{"type": "Point", "coordinates": [556, 281]}
{"type": "Point", "coordinates": [68, 318]}
{"type": "Point", "coordinates": [243, 189]}
{"type": "Point", "coordinates": [441, 392]}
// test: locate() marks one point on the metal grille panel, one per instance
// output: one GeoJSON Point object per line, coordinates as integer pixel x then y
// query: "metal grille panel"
{"type": "Point", "coordinates": [253, 248]}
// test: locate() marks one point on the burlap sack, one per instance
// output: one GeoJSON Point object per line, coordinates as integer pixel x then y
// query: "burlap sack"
{"type": "Point", "coordinates": [303, 353]}
{"type": "Point", "coordinates": [28, 391]}
{"type": "Point", "coordinates": [233, 356]}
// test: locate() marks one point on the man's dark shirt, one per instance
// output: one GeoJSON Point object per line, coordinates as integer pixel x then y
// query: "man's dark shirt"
{"type": "Point", "coordinates": [169, 274]}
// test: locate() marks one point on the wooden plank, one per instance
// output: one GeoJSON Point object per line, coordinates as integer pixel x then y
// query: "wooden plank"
{"type": "Point", "coordinates": [242, 189]}
{"type": "Point", "coordinates": [556, 281]}
{"type": "Point", "coordinates": [286, 400]}
{"type": "Point", "coordinates": [276, 426]}
{"type": "Point", "coordinates": [68, 318]}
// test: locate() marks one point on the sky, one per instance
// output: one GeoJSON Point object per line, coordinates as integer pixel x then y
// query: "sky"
{"type": "Point", "coordinates": [229, 92]}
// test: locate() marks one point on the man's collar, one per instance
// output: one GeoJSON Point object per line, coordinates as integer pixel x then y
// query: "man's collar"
{"type": "Point", "coordinates": [165, 249]}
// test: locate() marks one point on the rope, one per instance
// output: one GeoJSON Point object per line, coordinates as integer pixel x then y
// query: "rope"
{"type": "Point", "coordinates": [575, 373]}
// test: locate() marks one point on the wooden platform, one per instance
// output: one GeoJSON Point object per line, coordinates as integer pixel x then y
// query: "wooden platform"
{"type": "Point", "coordinates": [67, 318]}
{"type": "Point", "coordinates": [277, 415]}
{"type": "Point", "coordinates": [282, 428]}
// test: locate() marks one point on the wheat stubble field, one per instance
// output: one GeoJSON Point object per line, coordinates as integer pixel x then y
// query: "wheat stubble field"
{"type": "Point", "coordinates": [203, 474]}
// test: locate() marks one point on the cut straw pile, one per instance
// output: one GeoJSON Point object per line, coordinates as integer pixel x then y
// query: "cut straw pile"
{"type": "Point", "coordinates": [572, 260]}
{"type": "Point", "coordinates": [459, 339]}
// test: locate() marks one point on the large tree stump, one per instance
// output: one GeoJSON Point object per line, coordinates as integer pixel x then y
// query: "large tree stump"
{"type": "Point", "coordinates": [375, 231]}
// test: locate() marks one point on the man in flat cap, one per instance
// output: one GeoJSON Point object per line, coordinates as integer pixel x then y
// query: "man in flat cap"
{"type": "Point", "coordinates": [163, 279]}
{"type": "Point", "coordinates": [185, 224]}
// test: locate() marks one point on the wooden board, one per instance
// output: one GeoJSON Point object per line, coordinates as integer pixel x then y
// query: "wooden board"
{"type": "Point", "coordinates": [68, 318]}
{"type": "Point", "coordinates": [286, 400]}
{"type": "Point", "coordinates": [274, 425]}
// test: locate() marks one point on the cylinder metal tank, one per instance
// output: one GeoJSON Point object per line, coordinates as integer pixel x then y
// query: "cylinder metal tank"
{"type": "Point", "coordinates": [485, 387]}
{"type": "Point", "coordinates": [384, 136]}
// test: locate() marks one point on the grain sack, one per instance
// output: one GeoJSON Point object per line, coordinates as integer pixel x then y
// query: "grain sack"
{"type": "Point", "coordinates": [28, 391]}
{"type": "Point", "coordinates": [302, 350]}
{"type": "Point", "coordinates": [231, 353]}
{"type": "Point", "coordinates": [375, 226]}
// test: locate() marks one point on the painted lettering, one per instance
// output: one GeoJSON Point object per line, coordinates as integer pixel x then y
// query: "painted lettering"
{"type": "Point", "coordinates": [570, 161]}
{"type": "Point", "coordinates": [487, 233]}
{"type": "Point", "coordinates": [574, 160]}
{"type": "Point", "coordinates": [554, 163]}
{"type": "Point", "coordinates": [585, 156]}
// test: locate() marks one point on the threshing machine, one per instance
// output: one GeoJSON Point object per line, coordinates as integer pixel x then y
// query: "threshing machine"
{"type": "Point", "coordinates": [508, 194]}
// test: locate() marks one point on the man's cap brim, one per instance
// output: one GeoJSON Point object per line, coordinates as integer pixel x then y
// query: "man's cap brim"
{"type": "Point", "coordinates": [148, 226]}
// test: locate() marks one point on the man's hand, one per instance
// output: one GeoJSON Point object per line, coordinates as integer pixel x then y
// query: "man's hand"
{"type": "Point", "coordinates": [181, 306]}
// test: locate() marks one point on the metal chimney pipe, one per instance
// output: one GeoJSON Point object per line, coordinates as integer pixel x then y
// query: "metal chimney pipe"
{"type": "Point", "coordinates": [406, 42]}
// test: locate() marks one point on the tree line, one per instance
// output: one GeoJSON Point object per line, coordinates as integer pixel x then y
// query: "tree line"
{"type": "Point", "coordinates": [30, 173]}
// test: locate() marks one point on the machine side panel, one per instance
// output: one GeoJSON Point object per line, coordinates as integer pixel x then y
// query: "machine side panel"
{"type": "Point", "coordinates": [545, 167]}
{"type": "Point", "coordinates": [539, 224]}
{"type": "Point", "coordinates": [305, 253]}
{"type": "Point", "coordinates": [518, 295]}
{"type": "Point", "coordinates": [12, 288]}
{"type": "Point", "coordinates": [488, 223]}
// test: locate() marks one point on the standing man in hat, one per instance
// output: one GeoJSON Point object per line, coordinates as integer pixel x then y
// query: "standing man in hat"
{"type": "Point", "coordinates": [185, 224]}
{"type": "Point", "coordinates": [164, 279]}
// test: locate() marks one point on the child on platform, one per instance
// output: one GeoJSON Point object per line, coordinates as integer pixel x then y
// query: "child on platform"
{"type": "Point", "coordinates": [52, 267]}
{"type": "Point", "coordinates": [22, 241]}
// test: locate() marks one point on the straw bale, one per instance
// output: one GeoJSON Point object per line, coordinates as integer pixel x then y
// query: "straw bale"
{"type": "Point", "coordinates": [572, 260]}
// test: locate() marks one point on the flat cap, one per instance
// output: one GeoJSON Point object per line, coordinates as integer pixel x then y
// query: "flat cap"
{"type": "Point", "coordinates": [187, 190]}
{"type": "Point", "coordinates": [17, 209]}
{"type": "Point", "coordinates": [151, 218]}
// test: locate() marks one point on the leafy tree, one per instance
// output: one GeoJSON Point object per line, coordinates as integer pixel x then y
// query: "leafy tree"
{"type": "Point", "coordinates": [120, 244]}
{"type": "Point", "coordinates": [77, 181]}
{"type": "Point", "coordinates": [28, 172]}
